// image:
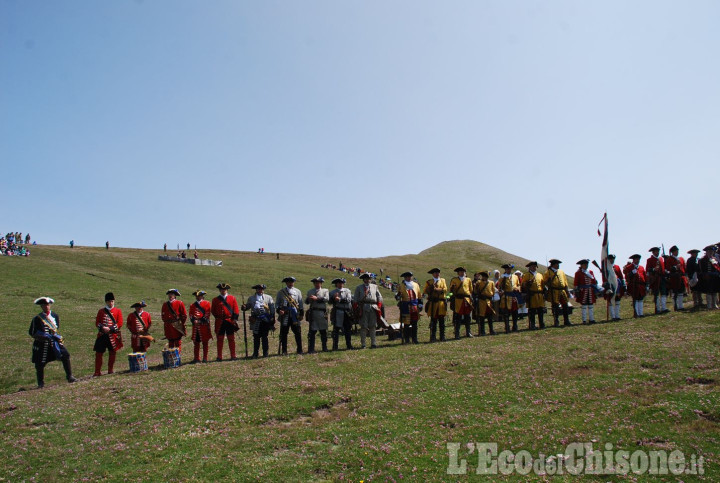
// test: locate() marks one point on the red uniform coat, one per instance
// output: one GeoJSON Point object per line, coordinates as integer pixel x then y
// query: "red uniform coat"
{"type": "Point", "coordinates": [221, 312]}
{"type": "Point", "coordinates": [103, 320]}
{"type": "Point", "coordinates": [655, 270]}
{"type": "Point", "coordinates": [171, 331]}
{"type": "Point", "coordinates": [677, 280]}
{"type": "Point", "coordinates": [635, 281]}
{"type": "Point", "coordinates": [139, 326]}
{"type": "Point", "coordinates": [585, 283]}
{"type": "Point", "coordinates": [621, 289]}
{"type": "Point", "coordinates": [200, 319]}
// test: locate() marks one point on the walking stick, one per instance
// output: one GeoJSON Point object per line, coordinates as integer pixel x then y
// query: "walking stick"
{"type": "Point", "coordinates": [245, 329]}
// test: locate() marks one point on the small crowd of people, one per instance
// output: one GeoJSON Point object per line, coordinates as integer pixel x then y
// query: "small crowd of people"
{"type": "Point", "coordinates": [483, 299]}
{"type": "Point", "coordinates": [13, 244]}
{"type": "Point", "coordinates": [354, 271]}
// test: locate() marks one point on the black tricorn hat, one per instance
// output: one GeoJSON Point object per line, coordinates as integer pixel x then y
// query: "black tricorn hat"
{"type": "Point", "coordinates": [635, 256]}
{"type": "Point", "coordinates": [173, 290]}
{"type": "Point", "coordinates": [583, 261]}
{"type": "Point", "coordinates": [694, 250]}
{"type": "Point", "coordinates": [531, 263]}
{"type": "Point", "coordinates": [365, 275]}
{"type": "Point", "coordinates": [407, 274]}
{"type": "Point", "coordinates": [611, 255]}
{"type": "Point", "coordinates": [460, 269]}
{"type": "Point", "coordinates": [44, 300]}
{"type": "Point", "coordinates": [674, 248]}
{"type": "Point", "coordinates": [653, 249]}
{"type": "Point", "coordinates": [339, 280]}
{"type": "Point", "coordinates": [318, 279]}
{"type": "Point", "coordinates": [710, 248]}
{"type": "Point", "coordinates": [554, 260]}
{"type": "Point", "coordinates": [507, 265]}
{"type": "Point", "coordinates": [109, 296]}
{"type": "Point", "coordinates": [484, 274]}
{"type": "Point", "coordinates": [433, 270]}
{"type": "Point", "coordinates": [222, 286]}
{"type": "Point", "coordinates": [199, 292]}
{"type": "Point", "coordinates": [260, 286]}
{"type": "Point", "coordinates": [138, 304]}
{"type": "Point", "coordinates": [289, 279]}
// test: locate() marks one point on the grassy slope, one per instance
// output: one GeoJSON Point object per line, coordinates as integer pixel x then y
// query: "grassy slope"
{"type": "Point", "coordinates": [356, 415]}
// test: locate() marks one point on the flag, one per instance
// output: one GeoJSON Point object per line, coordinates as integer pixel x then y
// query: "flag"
{"type": "Point", "coordinates": [607, 270]}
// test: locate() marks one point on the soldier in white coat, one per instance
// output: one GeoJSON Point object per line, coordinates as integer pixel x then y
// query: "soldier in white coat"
{"type": "Point", "coordinates": [262, 318]}
{"type": "Point", "coordinates": [317, 299]}
{"type": "Point", "coordinates": [367, 296]}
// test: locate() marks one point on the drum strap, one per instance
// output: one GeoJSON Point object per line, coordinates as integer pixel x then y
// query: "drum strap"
{"type": "Point", "coordinates": [142, 322]}
{"type": "Point", "coordinates": [112, 319]}
{"type": "Point", "coordinates": [48, 323]}
{"type": "Point", "coordinates": [172, 310]}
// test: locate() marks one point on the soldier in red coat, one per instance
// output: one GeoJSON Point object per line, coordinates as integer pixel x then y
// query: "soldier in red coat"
{"type": "Point", "coordinates": [585, 287]}
{"type": "Point", "coordinates": [656, 278]}
{"type": "Point", "coordinates": [200, 319]}
{"type": "Point", "coordinates": [108, 322]}
{"type": "Point", "coordinates": [174, 316]}
{"type": "Point", "coordinates": [677, 278]}
{"type": "Point", "coordinates": [613, 298]}
{"type": "Point", "coordinates": [226, 311]}
{"type": "Point", "coordinates": [635, 278]}
{"type": "Point", "coordinates": [139, 323]}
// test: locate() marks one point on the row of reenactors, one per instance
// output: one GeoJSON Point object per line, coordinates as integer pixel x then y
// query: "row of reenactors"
{"type": "Point", "coordinates": [466, 298]}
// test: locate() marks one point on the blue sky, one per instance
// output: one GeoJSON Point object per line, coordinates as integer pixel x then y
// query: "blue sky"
{"type": "Point", "coordinates": [361, 128]}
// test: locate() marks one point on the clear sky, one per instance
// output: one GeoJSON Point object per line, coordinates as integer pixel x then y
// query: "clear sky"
{"type": "Point", "coordinates": [361, 128]}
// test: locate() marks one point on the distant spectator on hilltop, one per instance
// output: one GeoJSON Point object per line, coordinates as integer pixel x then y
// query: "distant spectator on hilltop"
{"type": "Point", "coordinates": [72, 243]}
{"type": "Point", "coordinates": [107, 245]}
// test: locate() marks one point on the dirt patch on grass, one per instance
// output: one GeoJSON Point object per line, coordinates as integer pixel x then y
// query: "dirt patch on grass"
{"type": "Point", "coordinates": [332, 411]}
{"type": "Point", "coordinates": [700, 380]}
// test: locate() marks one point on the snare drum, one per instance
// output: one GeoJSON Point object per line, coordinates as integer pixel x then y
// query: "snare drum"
{"type": "Point", "coordinates": [171, 357]}
{"type": "Point", "coordinates": [138, 362]}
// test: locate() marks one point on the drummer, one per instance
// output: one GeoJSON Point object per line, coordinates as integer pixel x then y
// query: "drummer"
{"type": "Point", "coordinates": [139, 325]}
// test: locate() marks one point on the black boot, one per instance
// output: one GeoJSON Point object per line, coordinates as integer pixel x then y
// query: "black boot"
{"type": "Point", "coordinates": [566, 316]}
{"type": "Point", "coordinates": [256, 346]}
{"type": "Point", "coordinates": [265, 346]}
{"type": "Point", "coordinates": [531, 318]}
{"type": "Point", "coordinates": [541, 318]}
{"type": "Point", "coordinates": [467, 326]}
{"type": "Point", "coordinates": [323, 340]}
{"type": "Point", "coordinates": [413, 331]}
{"type": "Point", "coordinates": [433, 330]}
{"type": "Point", "coordinates": [442, 329]}
{"type": "Point", "coordinates": [406, 333]}
{"type": "Point", "coordinates": [68, 370]}
{"type": "Point", "coordinates": [311, 342]}
{"type": "Point", "coordinates": [298, 341]}
{"type": "Point", "coordinates": [490, 324]}
{"type": "Point", "coordinates": [40, 373]}
{"type": "Point", "coordinates": [515, 319]}
{"type": "Point", "coordinates": [481, 323]}
{"type": "Point", "coordinates": [456, 326]}
{"type": "Point", "coordinates": [335, 337]}
{"type": "Point", "coordinates": [506, 320]}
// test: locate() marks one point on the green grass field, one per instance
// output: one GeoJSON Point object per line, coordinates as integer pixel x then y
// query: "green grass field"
{"type": "Point", "coordinates": [645, 384]}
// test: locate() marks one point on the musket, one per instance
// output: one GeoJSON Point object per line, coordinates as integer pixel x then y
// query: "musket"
{"type": "Point", "coordinates": [607, 301]}
{"type": "Point", "coordinates": [244, 328]}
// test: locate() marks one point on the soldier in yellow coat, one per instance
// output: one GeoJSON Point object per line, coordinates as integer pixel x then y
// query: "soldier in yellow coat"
{"type": "Point", "coordinates": [483, 291]}
{"type": "Point", "coordinates": [509, 286]}
{"type": "Point", "coordinates": [410, 304]}
{"type": "Point", "coordinates": [436, 306]}
{"type": "Point", "coordinates": [558, 291]}
{"type": "Point", "coordinates": [532, 287]}
{"type": "Point", "coordinates": [461, 289]}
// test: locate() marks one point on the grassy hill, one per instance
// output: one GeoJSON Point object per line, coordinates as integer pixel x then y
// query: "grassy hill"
{"type": "Point", "coordinates": [646, 384]}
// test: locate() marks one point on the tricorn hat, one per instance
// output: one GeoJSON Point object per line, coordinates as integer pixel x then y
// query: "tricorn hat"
{"type": "Point", "coordinates": [365, 275]}
{"type": "Point", "coordinates": [222, 286]}
{"type": "Point", "coordinates": [289, 279]}
{"type": "Point", "coordinates": [583, 261]}
{"type": "Point", "coordinates": [710, 248]}
{"type": "Point", "coordinates": [554, 260]}
{"type": "Point", "coordinates": [44, 300]}
{"type": "Point", "coordinates": [318, 279]}
{"type": "Point", "coordinates": [484, 274]}
{"type": "Point", "coordinates": [173, 290]}
{"type": "Point", "coordinates": [531, 263]}
{"type": "Point", "coordinates": [653, 249]}
{"type": "Point", "coordinates": [139, 304]}
{"type": "Point", "coordinates": [635, 256]}
{"type": "Point", "coordinates": [611, 255]}
{"type": "Point", "coordinates": [674, 248]}
{"type": "Point", "coordinates": [694, 250]}
{"type": "Point", "coordinates": [199, 292]}
{"type": "Point", "coordinates": [260, 286]}
{"type": "Point", "coordinates": [507, 265]}
{"type": "Point", "coordinates": [109, 296]}
{"type": "Point", "coordinates": [407, 274]}
{"type": "Point", "coordinates": [434, 270]}
{"type": "Point", "coordinates": [339, 280]}
{"type": "Point", "coordinates": [460, 269]}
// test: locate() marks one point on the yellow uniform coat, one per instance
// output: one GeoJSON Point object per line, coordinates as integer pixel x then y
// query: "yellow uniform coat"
{"type": "Point", "coordinates": [508, 286]}
{"type": "Point", "coordinates": [436, 306]}
{"type": "Point", "coordinates": [484, 291]}
{"type": "Point", "coordinates": [462, 291]}
{"type": "Point", "coordinates": [557, 286]}
{"type": "Point", "coordinates": [532, 285]}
